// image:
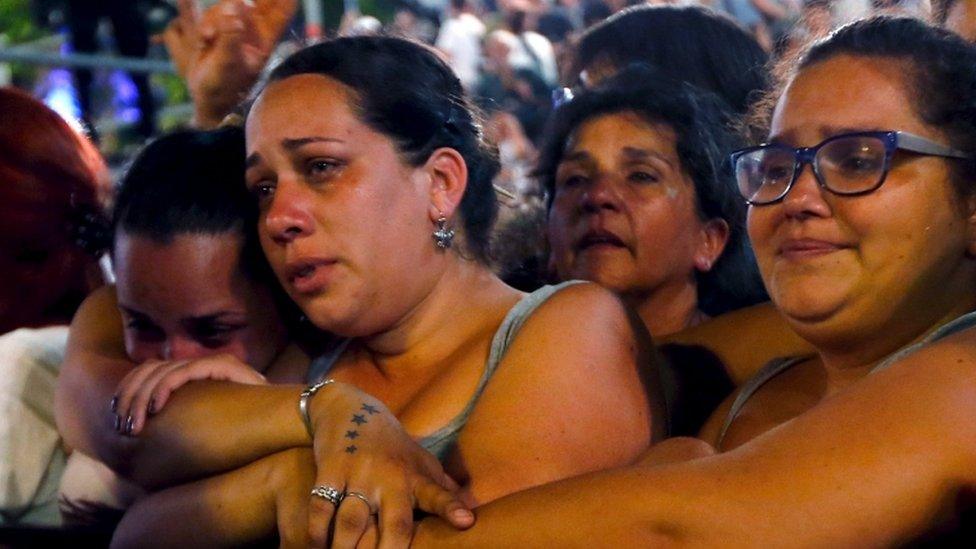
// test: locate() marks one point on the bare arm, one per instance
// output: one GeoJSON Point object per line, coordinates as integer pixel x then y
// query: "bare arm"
{"type": "Point", "coordinates": [227, 510]}
{"type": "Point", "coordinates": [568, 398]}
{"type": "Point", "coordinates": [208, 426]}
{"type": "Point", "coordinates": [871, 466]}
{"type": "Point", "coordinates": [744, 340]}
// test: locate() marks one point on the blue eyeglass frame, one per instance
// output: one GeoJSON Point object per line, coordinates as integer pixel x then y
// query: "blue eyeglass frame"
{"type": "Point", "coordinates": [893, 140]}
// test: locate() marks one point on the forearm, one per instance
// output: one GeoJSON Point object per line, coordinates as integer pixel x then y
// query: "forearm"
{"type": "Point", "coordinates": [209, 427]}
{"type": "Point", "coordinates": [228, 510]}
{"type": "Point", "coordinates": [601, 509]}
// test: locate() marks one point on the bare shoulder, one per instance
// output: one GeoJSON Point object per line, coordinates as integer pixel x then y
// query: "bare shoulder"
{"type": "Point", "coordinates": [939, 382]}
{"type": "Point", "coordinates": [574, 368]}
{"type": "Point", "coordinates": [745, 340]}
{"type": "Point", "coordinates": [97, 325]}
{"type": "Point", "coordinates": [580, 309]}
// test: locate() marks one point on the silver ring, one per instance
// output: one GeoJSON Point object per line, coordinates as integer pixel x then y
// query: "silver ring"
{"type": "Point", "coordinates": [328, 493]}
{"type": "Point", "coordinates": [372, 510]}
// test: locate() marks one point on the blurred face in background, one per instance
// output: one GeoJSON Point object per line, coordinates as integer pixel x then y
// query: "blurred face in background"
{"type": "Point", "coordinates": [624, 213]}
{"type": "Point", "coordinates": [961, 19]}
{"type": "Point", "coordinates": [44, 271]}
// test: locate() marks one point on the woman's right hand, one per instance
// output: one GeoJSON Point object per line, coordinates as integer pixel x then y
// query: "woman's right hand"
{"type": "Point", "coordinates": [147, 388]}
{"type": "Point", "coordinates": [362, 451]}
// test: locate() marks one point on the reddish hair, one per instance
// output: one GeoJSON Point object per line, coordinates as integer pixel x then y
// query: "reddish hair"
{"type": "Point", "coordinates": [35, 140]}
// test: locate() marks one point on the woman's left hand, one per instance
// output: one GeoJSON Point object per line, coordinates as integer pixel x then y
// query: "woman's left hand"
{"type": "Point", "coordinates": [147, 388]}
{"type": "Point", "coordinates": [362, 452]}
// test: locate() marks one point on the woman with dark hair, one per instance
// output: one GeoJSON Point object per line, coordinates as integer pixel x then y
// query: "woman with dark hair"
{"type": "Point", "coordinates": [863, 218]}
{"type": "Point", "coordinates": [53, 189]}
{"type": "Point", "coordinates": [641, 201]}
{"type": "Point", "coordinates": [648, 160]}
{"type": "Point", "coordinates": [192, 283]}
{"type": "Point", "coordinates": [375, 204]}
{"type": "Point", "coordinates": [690, 44]}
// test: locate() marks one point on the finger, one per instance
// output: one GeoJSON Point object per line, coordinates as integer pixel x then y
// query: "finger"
{"type": "Point", "coordinates": [127, 390]}
{"type": "Point", "coordinates": [187, 12]}
{"type": "Point", "coordinates": [445, 504]}
{"type": "Point", "coordinates": [139, 406]}
{"type": "Point", "coordinates": [371, 537]}
{"type": "Point", "coordinates": [351, 521]}
{"type": "Point", "coordinates": [435, 471]}
{"type": "Point", "coordinates": [320, 513]}
{"type": "Point", "coordinates": [395, 520]}
{"type": "Point", "coordinates": [220, 367]}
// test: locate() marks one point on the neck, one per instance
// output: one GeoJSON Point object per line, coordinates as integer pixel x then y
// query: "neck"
{"type": "Point", "coordinates": [667, 309]}
{"type": "Point", "coordinates": [437, 325]}
{"type": "Point", "coordinates": [847, 359]}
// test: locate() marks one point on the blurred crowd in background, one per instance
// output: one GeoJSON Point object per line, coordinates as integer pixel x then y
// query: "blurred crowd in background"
{"type": "Point", "coordinates": [517, 58]}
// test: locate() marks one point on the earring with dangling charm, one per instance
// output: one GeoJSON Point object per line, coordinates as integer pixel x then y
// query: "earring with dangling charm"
{"type": "Point", "coordinates": [443, 236]}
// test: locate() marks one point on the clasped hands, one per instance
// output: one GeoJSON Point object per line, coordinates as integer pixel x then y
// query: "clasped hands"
{"type": "Point", "coordinates": [358, 447]}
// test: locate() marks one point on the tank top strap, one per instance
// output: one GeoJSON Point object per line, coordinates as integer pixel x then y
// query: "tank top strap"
{"type": "Point", "coordinates": [320, 367]}
{"type": "Point", "coordinates": [772, 369]}
{"type": "Point", "coordinates": [958, 324]}
{"type": "Point", "coordinates": [440, 441]}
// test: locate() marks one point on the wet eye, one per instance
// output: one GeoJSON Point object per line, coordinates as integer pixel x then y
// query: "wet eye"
{"type": "Point", "coordinates": [860, 164]}
{"type": "Point", "coordinates": [262, 191]}
{"type": "Point", "coordinates": [571, 181]}
{"type": "Point", "coordinates": [145, 330]}
{"type": "Point", "coordinates": [774, 172]}
{"type": "Point", "coordinates": [321, 168]}
{"type": "Point", "coordinates": [641, 176]}
{"type": "Point", "coordinates": [215, 335]}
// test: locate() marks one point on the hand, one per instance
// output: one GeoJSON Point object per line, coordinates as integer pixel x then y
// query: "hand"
{"type": "Point", "coordinates": [147, 388]}
{"type": "Point", "coordinates": [361, 449]}
{"type": "Point", "coordinates": [221, 52]}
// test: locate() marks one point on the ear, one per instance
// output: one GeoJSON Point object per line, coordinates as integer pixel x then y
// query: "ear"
{"type": "Point", "coordinates": [448, 174]}
{"type": "Point", "coordinates": [714, 237]}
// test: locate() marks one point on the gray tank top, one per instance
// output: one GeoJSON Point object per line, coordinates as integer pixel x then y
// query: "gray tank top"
{"type": "Point", "coordinates": [779, 365]}
{"type": "Point", "coordinates": [440, 441]}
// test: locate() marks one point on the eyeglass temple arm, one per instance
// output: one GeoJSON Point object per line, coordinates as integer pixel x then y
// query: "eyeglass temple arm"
{"type": "Point", "coordinates": [915, 143]}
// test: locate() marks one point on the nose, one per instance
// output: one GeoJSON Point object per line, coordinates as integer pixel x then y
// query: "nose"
{"type": "Point", "coordinates": [183, 348]}
{"type": "Point", "coordinates": [288, 217]}
{"type": "Point", "coordinates": [806, 197]}
{"type": "Point", "coordinates": [600, 194]}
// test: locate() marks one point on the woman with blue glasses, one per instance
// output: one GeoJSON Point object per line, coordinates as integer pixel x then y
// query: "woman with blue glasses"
{"type": "Point", "coordinates": [863, 219]}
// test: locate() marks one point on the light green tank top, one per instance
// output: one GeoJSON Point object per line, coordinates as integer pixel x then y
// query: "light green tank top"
{"type": "Point", "coordinates": [441, 440]}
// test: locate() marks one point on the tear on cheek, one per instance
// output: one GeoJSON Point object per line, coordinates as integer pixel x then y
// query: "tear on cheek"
{"type": "Point", "coordinates": [671, 191]}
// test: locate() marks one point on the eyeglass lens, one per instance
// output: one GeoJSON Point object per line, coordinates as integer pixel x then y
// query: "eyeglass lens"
{"type": "Point", "coordinates": [846, 165]}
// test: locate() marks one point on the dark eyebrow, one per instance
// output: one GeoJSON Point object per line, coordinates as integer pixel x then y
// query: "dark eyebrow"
{"type": "Point", "coordinates": [824, 132]}
{"type": "Point", "coordinates": [290, 145]}
{"type": "Point", "coordinates": [132, 312]}
{"type": "Point", "coordinates": [252, 160]}
{"type": "Point", "coordinates": [212, 317]}
{"type": "Point", "coordinates": [578, 156]}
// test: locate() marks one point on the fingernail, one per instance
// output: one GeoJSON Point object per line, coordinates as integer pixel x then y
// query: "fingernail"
{"type": "Point", "coordinates": [462, 514]}
{"type": "Point", "coordinates": [128, 425]}
{"type": "Point", "coordinates": [151, 408]}
{"type": "Point", "coordinates": [114, 403]}
{"type": "Point", "coordinates": [118, 423]}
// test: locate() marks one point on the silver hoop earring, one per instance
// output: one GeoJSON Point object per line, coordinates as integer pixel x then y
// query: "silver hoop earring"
{"type": "Point", "coordinates": [443, 236]}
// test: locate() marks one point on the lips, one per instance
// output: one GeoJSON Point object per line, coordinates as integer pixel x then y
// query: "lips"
{"type": "Point", "coordinates": [309, 275]}
{"type": "Point", "coordinates": [800, 248]}
{"type": "Point", "coordinates": [599, 238]}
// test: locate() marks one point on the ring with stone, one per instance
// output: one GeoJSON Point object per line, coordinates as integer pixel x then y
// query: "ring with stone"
{"type": "Point", "coordinates": [328, 493]}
